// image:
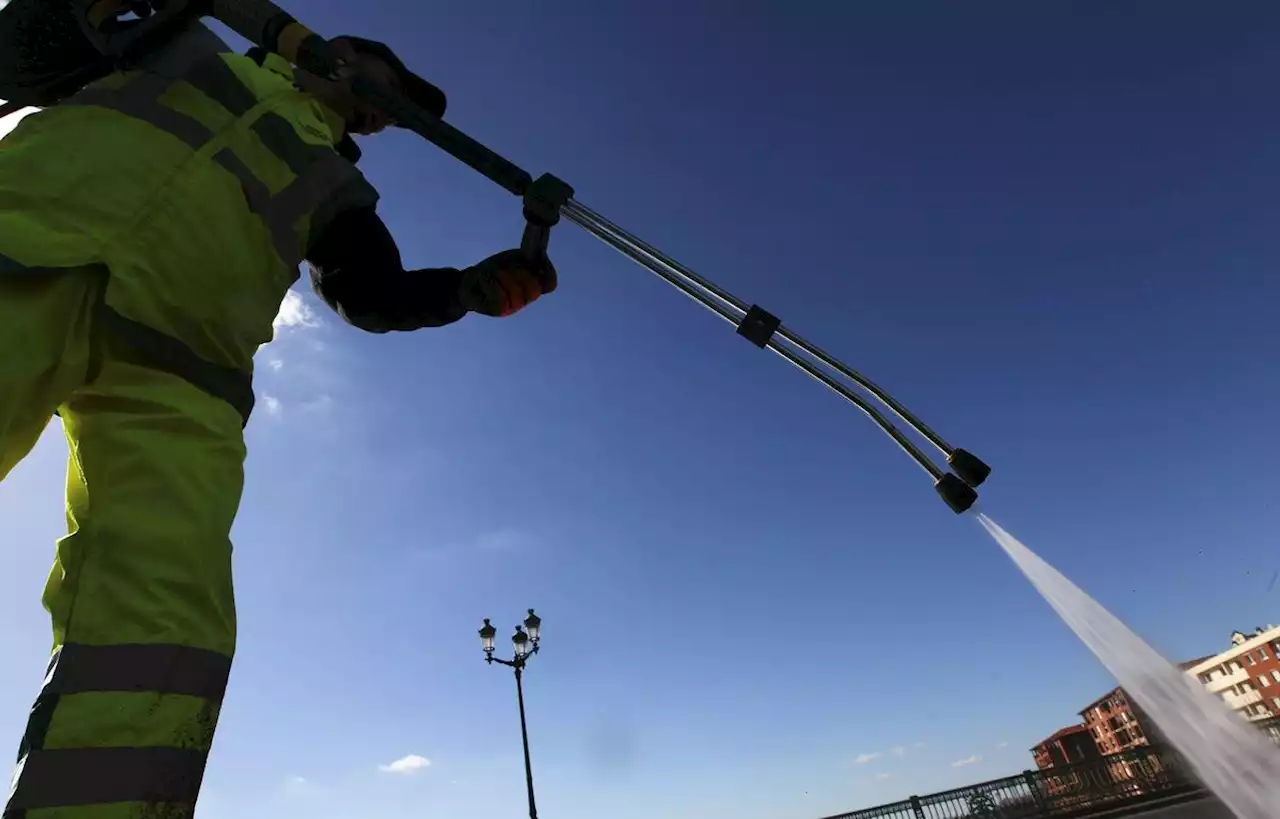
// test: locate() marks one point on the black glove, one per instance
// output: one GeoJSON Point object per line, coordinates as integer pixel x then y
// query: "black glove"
{"type": "Point", "coordinates": [505, 283]}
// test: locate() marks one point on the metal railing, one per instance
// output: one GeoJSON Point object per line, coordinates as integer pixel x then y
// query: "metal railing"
{"type": "Point", "coordinates": [1270, 727]}
{"type": "Point", "coordinates": [1129, 777]}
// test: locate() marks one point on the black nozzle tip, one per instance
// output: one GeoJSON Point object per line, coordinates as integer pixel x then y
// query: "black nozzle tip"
{"type": "Point", "coordinates": [969, 467]}
{"type": "Point", "coordinates": [958, 494]}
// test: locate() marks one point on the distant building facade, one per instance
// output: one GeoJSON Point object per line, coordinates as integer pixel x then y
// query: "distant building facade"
{"type": "Point", "coordinates": [1116, 723]}
{"type": "Point", "coordinates": [1247, 675]}
{"type": "Point", "coordinates": [1066, 747]}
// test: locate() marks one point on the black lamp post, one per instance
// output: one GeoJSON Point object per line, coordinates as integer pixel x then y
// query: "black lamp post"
{"type": "Point", "coordinates": [525, 644]}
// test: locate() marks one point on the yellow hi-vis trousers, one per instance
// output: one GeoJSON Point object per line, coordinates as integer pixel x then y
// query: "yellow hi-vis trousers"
{"type": "Point", "coordinates": [140, 593]}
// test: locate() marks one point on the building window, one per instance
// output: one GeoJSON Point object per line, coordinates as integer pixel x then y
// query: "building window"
{"type": "Point", "coordinates": [1264, 681]}
{"type": "Point", "coordinates": [1248, 658]}
{"type": "Point", "coordinates": [1276, 702]}
{"type": "Point", "coordinates": [1235, 666]}
{"type": "Point", "coordinates": [1262, 654]}
{"type": "Point", "coordinates": [1275, 675]}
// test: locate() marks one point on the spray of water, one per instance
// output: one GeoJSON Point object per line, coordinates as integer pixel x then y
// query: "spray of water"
{"type": "Point", "coordinates": [1233, 760]}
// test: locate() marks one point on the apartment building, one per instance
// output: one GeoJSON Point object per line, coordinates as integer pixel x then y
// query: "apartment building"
{"type": "Point", "coordinates": [1247, 675]}
{"type": "Point", "coordinates": [1115, 723]}
{"type": "Point", "coordinates": [1066, 747]}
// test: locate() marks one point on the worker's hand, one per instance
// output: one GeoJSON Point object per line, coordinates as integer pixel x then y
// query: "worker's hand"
{"type": "Point", "coordinates": [505, 283]}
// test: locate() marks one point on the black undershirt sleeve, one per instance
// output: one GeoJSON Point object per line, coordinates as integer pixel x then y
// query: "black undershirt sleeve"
{"type": "Point", "coordinates": [356, 269]}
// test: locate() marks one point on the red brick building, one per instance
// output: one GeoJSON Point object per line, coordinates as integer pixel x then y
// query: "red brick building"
{"type": "Point", "coordinates": [1066, 747]}
{"type": "Point", "coordinates": [1117, 724]}
{"type": "Point", "coordinates": [1246, 677]}
{"type": "Point", "coordinates": [1114, 723]}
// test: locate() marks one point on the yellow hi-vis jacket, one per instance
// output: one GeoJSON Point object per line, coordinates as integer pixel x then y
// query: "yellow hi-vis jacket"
{"type": "Point", "coordinates": [199, 180]}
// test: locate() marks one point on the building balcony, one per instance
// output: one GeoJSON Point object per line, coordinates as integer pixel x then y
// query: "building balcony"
{"type": "Point", "coordinates": [1223, 683]}
{"type": "Point", "coordinates": [1248, 698]}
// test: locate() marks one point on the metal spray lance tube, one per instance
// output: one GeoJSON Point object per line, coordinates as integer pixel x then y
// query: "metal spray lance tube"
{"type": "Point", "coordinates": [766, 331]}
{"type": "Point", "coordinates": [958, 495]}
{"type": "Point", "coordinates": [548, 198]}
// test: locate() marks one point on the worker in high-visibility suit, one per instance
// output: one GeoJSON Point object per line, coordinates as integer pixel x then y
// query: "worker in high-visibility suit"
{"type": "Point", "coordinates": [150, 226]}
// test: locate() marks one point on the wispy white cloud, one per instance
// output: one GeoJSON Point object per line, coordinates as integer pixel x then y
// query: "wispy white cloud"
{"type": "Point", "coordinates": [863, 759]}
{"type": "Point", "coordinates": [294, 316]}
{"type": "Point", "coordinates": [898, 750]}
{"type": "Point", "coordinates": [294, 312]}
{"type": "Point", "coordinates": [496, 542]}
{"type": "Point", "coordinates": [881, 777]}
{"type": "Point", "coordinates": [406, 765]}
{"type": "Point", "coordinates": [971, 760]}
{"type": "Point", "coordinates": [504, 540]}
{"type": "Point", "coordinates": [1001, 744]}
{"type": "Point", "coordinates": [320, 403]}
{"type": "Point", "coordinates": [272, 405]}
{"type": "Point", "coordinates": [299, 786]}
{"type": "Point", "coordinates": [919, 745]}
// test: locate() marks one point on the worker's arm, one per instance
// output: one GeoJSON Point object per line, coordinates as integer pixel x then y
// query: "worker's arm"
{"type": "Point", "coordinates": [356, 270]}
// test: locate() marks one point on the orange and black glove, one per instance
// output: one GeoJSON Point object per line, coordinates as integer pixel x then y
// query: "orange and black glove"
{"type": "Point", "coordinates": [505, 283]}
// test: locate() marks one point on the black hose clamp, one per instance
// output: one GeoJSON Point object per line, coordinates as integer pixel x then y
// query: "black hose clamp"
{"type": "Point", "coordinates": [543, 200]}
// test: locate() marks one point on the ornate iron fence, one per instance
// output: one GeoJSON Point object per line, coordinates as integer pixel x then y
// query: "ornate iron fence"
{"type": "Point", "coordinates": [1130, 777]}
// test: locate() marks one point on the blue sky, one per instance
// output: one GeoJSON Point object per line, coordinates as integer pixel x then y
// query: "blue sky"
{"type": "Point", "coordinates": [1048, 230]}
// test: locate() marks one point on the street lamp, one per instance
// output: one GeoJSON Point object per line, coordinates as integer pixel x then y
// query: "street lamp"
{"type": "Point", "coordinates": [533, 625]}
{"type": "Point", "coordinates": [524, 644]}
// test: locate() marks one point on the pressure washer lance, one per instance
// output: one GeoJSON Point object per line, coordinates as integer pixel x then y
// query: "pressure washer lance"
{"type": "Point", "coordinates": [547, 198]}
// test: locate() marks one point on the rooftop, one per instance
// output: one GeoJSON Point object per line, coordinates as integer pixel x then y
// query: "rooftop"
{"type": "Point", "coordinates": [1099, 700]}
{"type": "Point", "coordinates": [1189, 664]}
{"type": "Point", "coordinates": [1063, 732]}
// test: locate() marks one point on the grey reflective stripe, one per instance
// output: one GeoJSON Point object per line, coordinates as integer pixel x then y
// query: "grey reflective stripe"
{"type": "Point", "coordinates": [278, 135]}
{"type": "Point", "coordinates": [329, 182]}
{"type": "Point", "coordinates": [216, 79]}
{"type": "Point", "coordinates": [160, 668]}
{"type": "Point", "coordinates": [138, 100]}
{"type": "Point", "coordinates": [67, 777]}
{"type": "Point", "coordinates": [157, 350]}
{"type": "Point", "coordinates": [256, 193]}
{"type": "Point", "coordinates": [324, 180]}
